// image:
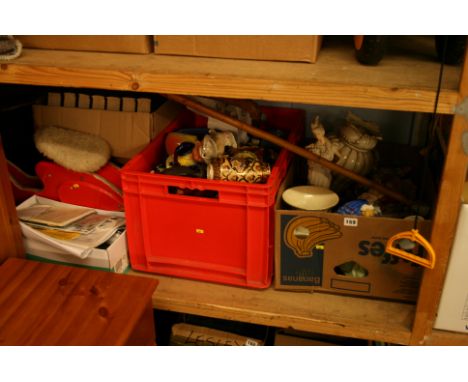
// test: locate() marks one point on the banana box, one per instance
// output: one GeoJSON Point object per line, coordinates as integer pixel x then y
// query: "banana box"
{"type": "Point", "coordinates": [344, 254]}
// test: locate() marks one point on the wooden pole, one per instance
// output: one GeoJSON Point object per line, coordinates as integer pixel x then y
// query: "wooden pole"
{"type": "Point", "coordinates": [287, 145]}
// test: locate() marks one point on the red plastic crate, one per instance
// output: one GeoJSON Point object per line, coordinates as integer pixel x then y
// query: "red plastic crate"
{"type": "Point", "coordinates": [228, 239]}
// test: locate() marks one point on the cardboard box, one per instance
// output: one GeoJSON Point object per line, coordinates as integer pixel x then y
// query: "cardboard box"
{"type": "Point", "coordinates": [272, 48]}
{"type": "Point", "coordinates": [40, 247]}
{"type": "Point", "coordinates": [283, 339]}
{"type": "Point", "coordinates": [113, 259]}
{"type": "Point", "coordinates": [193, 335]}
{"type": "Point", "coordinates": [120, 44]}
{"type": "Point", "coordinates": [453, 306]}
{"type": "Point", "coordinates": [292, 337]}
{"type": "Point", "coordinates": [342, 254]}
{"type": "Point", "coordinates": [127, 132]}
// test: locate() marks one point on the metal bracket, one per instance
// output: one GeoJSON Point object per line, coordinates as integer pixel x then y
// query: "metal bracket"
{"type": "Point", "coordinates": [462, 108]}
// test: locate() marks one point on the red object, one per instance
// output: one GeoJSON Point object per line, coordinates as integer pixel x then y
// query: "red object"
{"type": "Point", "coordinates": [23, 185]}
{"type": "Point", "coordinates": [222, 232]}
{"type": "Point", "coordinates": [101, 189]}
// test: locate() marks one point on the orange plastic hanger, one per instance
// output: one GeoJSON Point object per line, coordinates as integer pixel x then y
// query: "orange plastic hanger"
{"type": "Point", "coordinates": [415, 237]}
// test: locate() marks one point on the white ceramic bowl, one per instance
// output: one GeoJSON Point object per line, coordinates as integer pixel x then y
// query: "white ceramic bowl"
{"type": "Point", "coordinates": [311, 198]}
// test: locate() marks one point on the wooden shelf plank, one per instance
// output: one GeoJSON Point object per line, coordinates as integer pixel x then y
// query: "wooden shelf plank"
{"type": "Point", "coordinates": [313, 312]}
{"type": "Point", "coordinates": [43, 304]}
{"type": "Point", "coordinates": [445, 222]}
{"type": "Point", "coordinates": [405, 81]}
{"type": "Point", "coordinates": [446, 338]}
{"type": "Point", "coordinates": [10, 232]}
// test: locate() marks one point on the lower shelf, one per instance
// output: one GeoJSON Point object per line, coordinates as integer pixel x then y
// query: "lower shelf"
{"type": "Point", "coordinates": [312, 312]}
{"type": "Point", "coordinates": [446, 338]}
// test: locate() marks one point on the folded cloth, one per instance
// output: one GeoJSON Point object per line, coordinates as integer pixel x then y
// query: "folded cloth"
{"type": "Point", "coordinates": [10, 48]}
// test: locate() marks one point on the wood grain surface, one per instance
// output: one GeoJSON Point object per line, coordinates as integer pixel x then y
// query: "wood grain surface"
{"type": "Point", "coordinates": [48, 304]}
{"type": "Point", "coordinates": [11, 241]}
{"type": "Point", "coordinates": [445, 224]}
{"type": "Point", "coordinates": [405, 80]}
{"type": "Point", "coordinates": [313, 312]}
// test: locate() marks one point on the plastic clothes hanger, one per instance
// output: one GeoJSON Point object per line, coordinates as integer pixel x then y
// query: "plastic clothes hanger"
{"type": "Point", "coordinates": [415, 237]}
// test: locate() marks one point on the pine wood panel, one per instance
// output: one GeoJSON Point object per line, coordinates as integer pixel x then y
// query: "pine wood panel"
{"type": "Point", "coordinates": [403, 81]}
{"type": "Point", "coordinates": [48, 304]}
{"type": "Point", "coordinates": [314, 312]}
{"type": "Point", "coordinates": [10, 231]}
{"type": "Point", "coordinates": [444, 224]}
{"type": "Point", "coordinates": [446, 338]}
{"type": "Point", "coordinates": [400, 82]}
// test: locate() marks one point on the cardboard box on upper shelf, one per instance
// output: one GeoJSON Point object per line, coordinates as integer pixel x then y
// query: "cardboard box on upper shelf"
{"type": "Point", "coordinates": [271, 48]}
{"type": "Point", "coordinates": [453, 306]}
{"type": "Point", "coordinates": [95, 43]}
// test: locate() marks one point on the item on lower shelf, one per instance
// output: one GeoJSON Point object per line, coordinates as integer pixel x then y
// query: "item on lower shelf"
{"type": "Point", "coordinates": [112, 258]}
{"type": "Point", "coordinates": [193, 335]}
{"type": "Point", "coordinates": [211, 230]}
{"type": "Point", "coordinates": [74, 150]}
{"type": "Point", "coordinates": [318, 175]}
{"type": "Point", "coordinates": [80, 173]}
{"type": "Point", "coordinates": [397, 243]}
{"type": "Point", "coordinates": [354, 148]}
{"type": "Point", "coordinates": [23, 185]}
{"type": "Point", "coordinates": [101, 189]}
{"type": "Point", "coordinates": [344, 254]}
{"type": "Point", "coordinates": [60, 245]}
{"type": "Point", "coordinates": [291, 337]}
{"type": "Point", "coordinates": [128, 124]}
{"type": "Point", "coordinates": [360, 139]}
{"type": "Point", "coordinates": [310, 198]}
{"type": "Point", "coordinates": [238, 170]}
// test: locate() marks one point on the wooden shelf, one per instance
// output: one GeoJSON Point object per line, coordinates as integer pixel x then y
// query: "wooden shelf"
{"type": "Point", "coordinates": [43, 304]}
{"type": "Point", "coordinates": [325, 313]}
{"type": "Point", "coordinates": [405, 80]}
{"type": "Point", "coordinates": [446, 338]}
{"type": "Point", "coordinates": [313, 312]}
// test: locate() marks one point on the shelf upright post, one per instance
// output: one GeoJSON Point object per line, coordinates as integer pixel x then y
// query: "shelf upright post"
{"type": "Point", "coordinates": [445, 221]}
{"type": "Point", "coordinates": [10, 232]}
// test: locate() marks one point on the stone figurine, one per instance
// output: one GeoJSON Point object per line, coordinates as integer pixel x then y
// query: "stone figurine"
{"type": "Point", "coordinates": [318, 175]}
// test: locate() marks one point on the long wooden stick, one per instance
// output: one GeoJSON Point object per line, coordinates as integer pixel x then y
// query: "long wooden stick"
{"type": "Point", "coordinates": [287, 145]}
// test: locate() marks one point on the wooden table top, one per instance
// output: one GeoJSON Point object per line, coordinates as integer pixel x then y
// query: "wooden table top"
{"type": "Point", "coordinates": [48, 304]}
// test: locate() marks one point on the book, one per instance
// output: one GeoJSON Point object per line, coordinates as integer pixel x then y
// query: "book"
{"type": "Point", "coordinates": [88, 232]}
{"type": "Point", "coordinates": [53, 215]}
{"type": "Point", "coordinates": [84, 225]}
{"type": "Point", "coordinates": [74, 229]}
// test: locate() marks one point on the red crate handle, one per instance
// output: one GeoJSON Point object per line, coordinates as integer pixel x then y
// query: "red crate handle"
{"type": "Point", "coordinates": [192, 192]}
